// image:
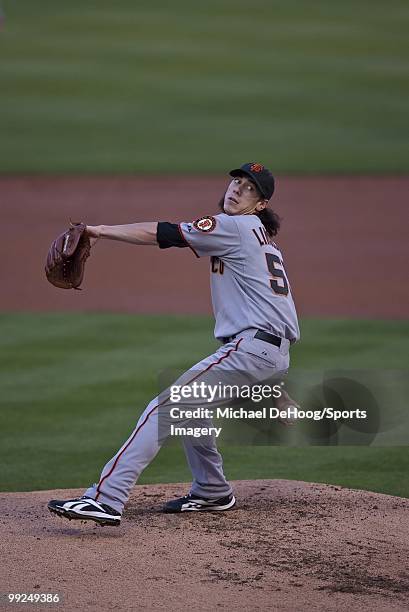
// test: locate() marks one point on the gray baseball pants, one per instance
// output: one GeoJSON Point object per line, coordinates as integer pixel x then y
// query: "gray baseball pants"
{"type": "Point", "coordinates": [245, 360]}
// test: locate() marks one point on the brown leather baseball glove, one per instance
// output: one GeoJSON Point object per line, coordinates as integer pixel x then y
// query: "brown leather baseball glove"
{"type": "Point", "coordinates": [67, 256]}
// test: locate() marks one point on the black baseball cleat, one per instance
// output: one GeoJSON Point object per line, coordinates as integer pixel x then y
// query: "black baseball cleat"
{"type": "Point", "coordinates": [193, 503]}
{"type": "Point", "coordinates": [85, 509]}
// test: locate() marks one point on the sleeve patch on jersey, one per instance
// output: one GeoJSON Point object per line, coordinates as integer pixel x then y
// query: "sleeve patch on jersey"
{"type": "Point", "coordinates": [205, 224]}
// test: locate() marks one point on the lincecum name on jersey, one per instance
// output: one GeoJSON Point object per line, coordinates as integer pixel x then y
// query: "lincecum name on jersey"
{"type": "Point", "coordinates": [262, 237]}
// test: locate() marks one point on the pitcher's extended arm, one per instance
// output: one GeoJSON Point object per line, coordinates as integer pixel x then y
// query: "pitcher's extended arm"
{"type": "Point", "coordinates": [136, 233]}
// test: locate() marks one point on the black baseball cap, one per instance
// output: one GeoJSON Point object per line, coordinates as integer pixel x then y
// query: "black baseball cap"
{"type": "Point", "coordinates": [260, 175]}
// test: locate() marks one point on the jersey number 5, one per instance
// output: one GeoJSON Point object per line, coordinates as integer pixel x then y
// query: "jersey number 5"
{"type": "Point", "coordinates": [279, 283]}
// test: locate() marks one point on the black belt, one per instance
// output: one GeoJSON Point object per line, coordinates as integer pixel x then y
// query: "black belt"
{"type": "Point", "coordinates": [260, 335]}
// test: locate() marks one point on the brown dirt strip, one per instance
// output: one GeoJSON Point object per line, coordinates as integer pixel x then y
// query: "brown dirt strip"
{"type": "Point", "coordinates": [344, 241]}
{"type": "Point", "coordinates": [288, 546]}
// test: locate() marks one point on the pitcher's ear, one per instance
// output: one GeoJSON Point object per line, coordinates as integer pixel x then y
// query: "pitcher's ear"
{"type": "Point", "coordinates": [261, 205]}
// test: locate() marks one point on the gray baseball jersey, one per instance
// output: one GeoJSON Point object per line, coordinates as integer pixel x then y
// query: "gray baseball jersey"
{"type": "Point", "coordinates": [250, 288]}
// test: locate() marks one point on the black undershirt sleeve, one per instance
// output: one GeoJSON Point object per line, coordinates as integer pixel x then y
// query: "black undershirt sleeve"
{"type": "Point", "coordinates": [168, 235]}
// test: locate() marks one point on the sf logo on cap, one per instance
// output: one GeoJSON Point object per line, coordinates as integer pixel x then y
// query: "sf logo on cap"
{"type": "Point", "coordinates": [205, 224]}
{"type": "Point", "coordinates": [256, 167]}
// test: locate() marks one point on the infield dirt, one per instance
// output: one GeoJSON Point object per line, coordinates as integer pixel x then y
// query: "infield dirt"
{"type": "Point", "coordinates": [287, 546]}
{"type": "Point", "coordinates": [344, 241]}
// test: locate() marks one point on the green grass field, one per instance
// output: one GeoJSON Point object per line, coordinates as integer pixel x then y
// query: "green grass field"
{"type": "Point", "coordinates": [73, 386]}
{"type": "Point", "coordinates": [316, 87]}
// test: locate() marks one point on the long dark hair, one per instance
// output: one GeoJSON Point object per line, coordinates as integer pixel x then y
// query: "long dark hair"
{"type": "Point", "coordinates": [267, 216]}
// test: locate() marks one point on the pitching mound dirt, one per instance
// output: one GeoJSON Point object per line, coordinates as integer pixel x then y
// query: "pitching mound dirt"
{"type": "Point", "coordinates": [288, 546]}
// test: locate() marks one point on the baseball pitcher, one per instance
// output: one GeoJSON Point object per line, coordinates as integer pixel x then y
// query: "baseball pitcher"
{"type": "Point", "coordinates": [255, 322]}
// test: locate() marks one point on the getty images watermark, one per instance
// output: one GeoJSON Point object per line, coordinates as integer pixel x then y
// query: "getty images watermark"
{"type": "Point", "coordinates": [197, 395]}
